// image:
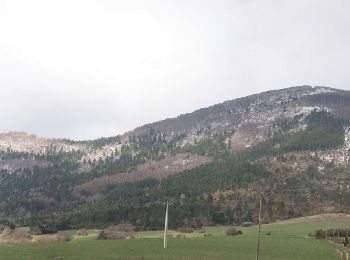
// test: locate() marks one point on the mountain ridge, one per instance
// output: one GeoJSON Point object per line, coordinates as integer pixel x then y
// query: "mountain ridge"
{"type": "Point", "coordinates": [303, 89]}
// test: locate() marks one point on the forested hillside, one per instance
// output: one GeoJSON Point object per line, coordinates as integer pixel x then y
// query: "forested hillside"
{"type": "Point", "coordinates": [291, 144]}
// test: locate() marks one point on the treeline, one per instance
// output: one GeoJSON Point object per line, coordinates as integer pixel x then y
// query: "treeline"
{"type": "Point", "coordinates": [333, 232]}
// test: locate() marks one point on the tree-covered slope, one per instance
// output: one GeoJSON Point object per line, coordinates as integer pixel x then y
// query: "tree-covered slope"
{"type": "Point", "coordinates": [292, 143]}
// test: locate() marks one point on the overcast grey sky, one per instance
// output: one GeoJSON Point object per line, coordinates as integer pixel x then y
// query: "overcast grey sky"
{"type": "Point", "coordinates": [84, 69]}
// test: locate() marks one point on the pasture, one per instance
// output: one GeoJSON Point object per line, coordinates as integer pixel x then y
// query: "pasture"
{"type": "Point", "coordinates": [280, 241]}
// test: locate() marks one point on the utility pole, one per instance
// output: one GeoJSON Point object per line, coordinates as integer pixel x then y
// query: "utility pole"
{"type": "Point", "coordinates": [166, 226]}
{"type": "Point", "coordinates": [259, 230]}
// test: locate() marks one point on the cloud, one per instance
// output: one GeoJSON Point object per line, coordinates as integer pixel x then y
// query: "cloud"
{"type": "Point", "coordinates": [84, 69]}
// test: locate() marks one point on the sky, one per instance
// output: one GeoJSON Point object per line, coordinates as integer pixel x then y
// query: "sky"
{"type": "Point", "coordinates": [84, 69]}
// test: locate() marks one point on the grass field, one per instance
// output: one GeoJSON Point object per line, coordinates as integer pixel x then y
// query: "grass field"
{"type": "Point", "coordinates": [287, 241]}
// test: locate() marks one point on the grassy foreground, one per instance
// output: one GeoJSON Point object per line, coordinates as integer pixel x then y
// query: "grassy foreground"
{"type": "Point", "coordinates": [287, 241]}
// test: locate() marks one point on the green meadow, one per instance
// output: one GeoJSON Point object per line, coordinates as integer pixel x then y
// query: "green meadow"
{"type": "Point", "coordinates": [278, 241]}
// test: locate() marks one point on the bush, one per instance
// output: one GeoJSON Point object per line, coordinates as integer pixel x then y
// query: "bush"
{"type": "Point", "coordinates": [63, 236]}
{"type": "Point", "coordinates": [185, 230]}
{"type": "Point", "coordinates": [169, 235]}
{"type": "Point", "coordinates": [43, 229]}
{"type": "Point", "coordinates": [124, 227]}
{"type": "Point", "coordinates": [233, 232]}
{"type": "Point", "coordinates": [35, 230]}
{"type": "Point", "coordinates": [82, 232]}
{"type": "Point", "coordinates": [114, 235]}
{"type": "Point", "coordinates": [2, 227]}
{"type": "Point", "coordinates": [320, 234]}
{"type": "Point", "coordinates": [102, 236]}
{"type": "Point", "coordinates": [346, 241]}
{"type": "Point", "coordinates": [21, 236]}
{"type": "Point", "coordinates": [12, 226]}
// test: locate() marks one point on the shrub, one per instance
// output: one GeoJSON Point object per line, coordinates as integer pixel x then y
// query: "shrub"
{"type": "Point", "coordinates": [2, 227]}
{"type": "Point", "coordinates": [346, 241]}
{"type": "Point", "coordinates": [21, 236]}
{"type": "Point", "coordinates": [102, 236]}
{"type": "Point", "coordinates": [185, 230]}
{"type": "Point", "coordinates": [233, 232]}
{"type": "Point", "coordinates": [12, 226]}
{"type": "Point", "coordinates": [320, 234]}
{"type": "Point", "coordinates": [43, 229]}
{"type": "Point", "coordinates": [124, 227]}
{"type": "Point", "coordinates": [35, 230]}
{"type": "Point", "coordinates": [63, 236]}
{"type": "Point", "coordinates": [82, 232]}
{"type": "Point", "coordinates": [114, 235]}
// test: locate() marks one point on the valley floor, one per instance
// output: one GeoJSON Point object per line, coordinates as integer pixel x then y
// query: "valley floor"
{"type": "Point", "coordinates": [282, 241]}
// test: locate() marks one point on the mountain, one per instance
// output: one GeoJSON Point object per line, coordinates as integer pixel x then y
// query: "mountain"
{"type": "Point", "coordinates": [292, 144]}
